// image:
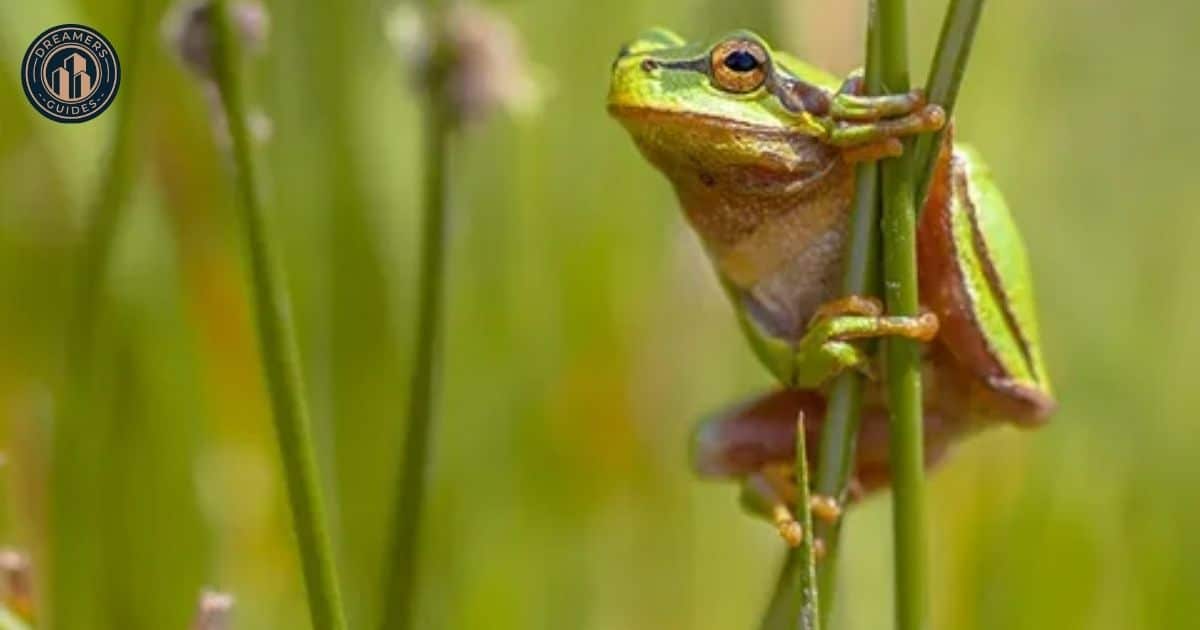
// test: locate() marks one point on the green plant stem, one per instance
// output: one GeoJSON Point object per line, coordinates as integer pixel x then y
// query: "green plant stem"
{"type": "Point", "coordinates": [280, 356]}
{"type": "Point", "coordinates": [945, 77]}
{"type": "Point", "coordinates": [839, 434]}
{"type": "Point", "coordinates": [902, 356]}
{"type": "Point", "coordinates": [861, 276]}
{"type": "Point", "coordinates": [75, 465]}
{"type": "Point", "coordinates": [842, 416]}
{"type": "Point", "coordinates": [809, 617]}
{"type": "Point", "coordinates": [784, 599]}
{"type": "Point", "coordinates": [400, 585]}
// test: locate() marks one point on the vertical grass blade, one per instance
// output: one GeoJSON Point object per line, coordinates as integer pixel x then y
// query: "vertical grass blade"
{"type": "Point", "coordinates": [280, 356]}
{"type": "Point", "coordinates": [902, 356]}
{"type": "Point", "coordinates": [843, 414]}
{"type": "Point", "coordinates": [945, 77]}
{"type": "Point", "coordinates": [809, 617]}
{"type": "Point", "coordinates": [76, 461]}
{"type": "Point", "coordinates": [835, 457]}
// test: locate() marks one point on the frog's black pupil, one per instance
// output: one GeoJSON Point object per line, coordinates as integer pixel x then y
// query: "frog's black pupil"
{"type": "Point", "coordinates": [741, 61]}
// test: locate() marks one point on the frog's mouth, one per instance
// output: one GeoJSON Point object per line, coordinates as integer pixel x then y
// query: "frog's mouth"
{"type": "Point", "coordinates": [674, 140]}
{"type": "Point", "coordinates": [642, 115]}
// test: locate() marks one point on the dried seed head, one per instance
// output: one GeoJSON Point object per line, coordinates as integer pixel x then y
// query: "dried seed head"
{"type": "Point", "coordinates": [214, 611]}
{"type": "Point", "coordinates": [258, 123]}
{"type": "Point", "coordinates": [188, 31]}
{"type": "Point", "coordinates": [487, 69]}
{"type": "Point", "coordinates": [16, 582]}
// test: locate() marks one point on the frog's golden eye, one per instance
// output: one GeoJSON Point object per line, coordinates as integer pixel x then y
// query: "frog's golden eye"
{"type": "Point", "coordinates": [739, 66]}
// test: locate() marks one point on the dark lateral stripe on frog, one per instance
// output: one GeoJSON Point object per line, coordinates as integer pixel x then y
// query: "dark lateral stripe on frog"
{"type": "Point", "coordinates": [995, 283]}
{"type": "Point", "coordinates": [699, 64]}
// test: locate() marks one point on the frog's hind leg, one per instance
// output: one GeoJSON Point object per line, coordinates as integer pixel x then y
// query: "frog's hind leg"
{"type": "Point", "coordinates": [974, 275]}
{"type": "Point", "coordinates": [754, 442]}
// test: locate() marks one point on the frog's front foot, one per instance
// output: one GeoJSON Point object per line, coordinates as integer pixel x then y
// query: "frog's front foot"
{"type": "Point", "coordinates": [851, 103]}
{"type": "Point", "coordinates": [825, 349]}
{"type": "Point", "coordinates": [869, 127]}
{"type": "Point", "coordinates": [854, 132]}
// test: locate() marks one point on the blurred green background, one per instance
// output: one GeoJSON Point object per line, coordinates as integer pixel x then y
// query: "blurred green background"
{"type": "Point", "coordinates": [585, 334]}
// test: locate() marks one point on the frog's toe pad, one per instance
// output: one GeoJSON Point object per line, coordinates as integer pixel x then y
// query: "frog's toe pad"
{"type": "Point", "coordinates": [825, 508]}
{"type": "Point", "coordinates": [791, 531]}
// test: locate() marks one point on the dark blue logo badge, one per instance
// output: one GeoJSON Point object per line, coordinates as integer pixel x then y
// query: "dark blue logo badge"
{"type": "Point", "coordinates": [71, 73]}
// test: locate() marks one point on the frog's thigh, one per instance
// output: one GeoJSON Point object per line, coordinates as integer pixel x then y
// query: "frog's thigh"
{"type": "Point", "coordinates": [974, 275]}
{"type": "Point", "coordinates": [759, 432]}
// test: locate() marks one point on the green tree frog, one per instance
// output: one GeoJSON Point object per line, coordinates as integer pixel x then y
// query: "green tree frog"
{"type": "Point", "coordinates": [760, 148]}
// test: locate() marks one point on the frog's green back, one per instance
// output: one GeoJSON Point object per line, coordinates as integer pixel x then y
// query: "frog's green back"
{"type": "Point", "coordinates": [1005, 252]}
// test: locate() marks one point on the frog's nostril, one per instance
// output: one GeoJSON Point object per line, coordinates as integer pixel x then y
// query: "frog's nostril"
{"type": "Point", "coordinates": [649, 65]}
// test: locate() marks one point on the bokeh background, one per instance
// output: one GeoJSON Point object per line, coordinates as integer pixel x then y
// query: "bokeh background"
{"type": "Point", "coordinates": [585, 334]}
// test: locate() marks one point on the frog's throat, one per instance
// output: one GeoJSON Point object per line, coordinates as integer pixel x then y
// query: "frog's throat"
{"type": "Point", "coordinates": [787, 259]}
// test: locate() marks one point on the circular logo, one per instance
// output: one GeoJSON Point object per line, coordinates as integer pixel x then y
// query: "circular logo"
{"type": "Point", "coordinates": [71, 73]}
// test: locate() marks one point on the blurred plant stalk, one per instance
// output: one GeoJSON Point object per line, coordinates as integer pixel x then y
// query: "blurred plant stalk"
{"type": "Point", "coordinates": [400, 580]}
{"type": "Point", "coordinates": [280, 356]}
{"type": "Point", "coordinates": [470, 64]}
{"type": "Point", "coordinates": [76, 463]}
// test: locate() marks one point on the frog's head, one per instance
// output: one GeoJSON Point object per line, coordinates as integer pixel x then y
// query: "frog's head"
{"type": "Point", "coordinates": [701, 109]}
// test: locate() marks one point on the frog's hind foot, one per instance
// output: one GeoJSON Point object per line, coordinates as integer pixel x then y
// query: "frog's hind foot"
{"type": "Point", "coordinates": [771, 489]}
{"type": "Point", "coordinates": [825, 508]}
{"type": "Point", "coordinates": [774, 488]}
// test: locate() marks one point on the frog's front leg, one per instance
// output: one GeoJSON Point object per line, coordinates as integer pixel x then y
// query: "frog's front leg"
{"type": "Point", "coordinates": [825, 349]}
{"type": "Point", "coordinates": [851, 102]}
{"type": "Point", "coordinates": [877, 122]}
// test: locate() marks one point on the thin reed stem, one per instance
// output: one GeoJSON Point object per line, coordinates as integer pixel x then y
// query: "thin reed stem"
{"type": "Point", "coordinates": [76, 500]}
{"type": "Point", "coordinates": [277, 342]}
{"type": "Point", "coordinates": [400, 583]}
{"type": "Point", "coordinates": [842, 417]}
{"type": "Point", "coordinates": [861, 276]}
{"type": "Point", "coordinates": [945, 77]}
{"type": "Point", "coordinates": [809, 617]}
{"type": "Point", "coordinates": [902, 356]}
